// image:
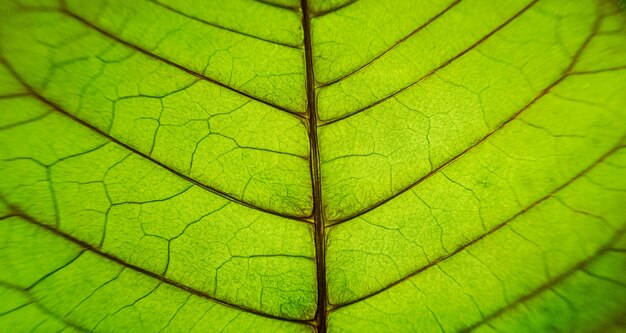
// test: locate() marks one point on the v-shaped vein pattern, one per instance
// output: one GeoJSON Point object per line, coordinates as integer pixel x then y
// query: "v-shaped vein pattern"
{"type": "Point", "coordinates": [314, 165]}
{"type": "Point", "coordinates": [175, 205]}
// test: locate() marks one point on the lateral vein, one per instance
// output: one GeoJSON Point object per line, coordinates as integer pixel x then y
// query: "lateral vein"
{"type": "Point", "coordinates": [161, 278]}
{"type": "Point", "coordinates": [173, 64]}
{"type": "Point", "coordinates": [108, 137]}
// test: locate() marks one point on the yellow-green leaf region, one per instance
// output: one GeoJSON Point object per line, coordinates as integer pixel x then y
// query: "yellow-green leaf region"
{"type": "Point", "coordinates": [312, 166]}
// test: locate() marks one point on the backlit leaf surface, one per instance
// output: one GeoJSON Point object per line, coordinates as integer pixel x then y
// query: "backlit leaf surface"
{"type": "Point", "coordinates": [324, 165]}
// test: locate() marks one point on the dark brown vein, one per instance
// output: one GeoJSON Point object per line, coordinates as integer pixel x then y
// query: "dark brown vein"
{"type": "Point", "coordinates": [318, 213]}
{"type": "Point", "coordinates": [605, 278]}
{"type": "Point", "coordinates": [173, 64]}
{"type": "Point", "coordinates": [396, 44]}
{"type": "Point", "coordinates": [174, 10]}
{"type": "Point", "coordinates": [603, 70]}
{"type": "Point", "coordinates": [133, 150]}
{"type": "Point", "coordinates": [493, 230]}
{"type": "Point", "coordinates": [567, 72]}
{"type": "Point", "coordinates": [15, 95]}
{"type": "Point", "coordinates": [437, 69]}
{"type": "Point", "coordinates": [161, 278]}
{"type": "Point", "coordinates": [25, 121]}
{"type": "Point", "coordinates": [54, 271]}
{"type": "Point", "coordinates": [551, 283]}
{"type": "Point", "coordinates": [36, 303]}
{"type": "Point", "coordinates": [332, 10]}
{"type": "Point", "coordinates": [269, 3]}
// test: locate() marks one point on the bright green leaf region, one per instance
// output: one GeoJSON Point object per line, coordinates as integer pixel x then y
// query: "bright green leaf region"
{"type": "Point", "coordinates": [312, 166]}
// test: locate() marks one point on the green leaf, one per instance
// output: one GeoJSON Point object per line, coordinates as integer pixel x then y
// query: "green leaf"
{"type": "Point", "coordinates": [323, 165]}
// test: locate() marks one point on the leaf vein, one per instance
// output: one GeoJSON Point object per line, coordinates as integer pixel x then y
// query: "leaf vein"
{"type": "Point", "coordinates": [87, 247]}
{"type": "Point", "coordinates": [493, 230]}
{"type": "Point", "coordinates": [332, 10]}
{"type": "Point", "coordinates": [74, 118]}
{"type": "Point", "coordinates": [174, 10]}
{"type": "Point", "coordinates": [393, 46]}
{"type": "Point", "coordinates": [566, 73]}
{"type": "Point", "coordinates": [173, 64]}
{"type": "Point", "coordinates": [442, 66]}
{"type": "Point", "coordinates": [552, 282]}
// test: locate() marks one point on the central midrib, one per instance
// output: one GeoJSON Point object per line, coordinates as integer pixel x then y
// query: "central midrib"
{"type": "Point", "coordinates": [318, 215]}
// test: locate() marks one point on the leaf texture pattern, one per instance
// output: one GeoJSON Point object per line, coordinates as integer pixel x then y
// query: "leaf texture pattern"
{"type": "Point", "coordinates": [314, 166]}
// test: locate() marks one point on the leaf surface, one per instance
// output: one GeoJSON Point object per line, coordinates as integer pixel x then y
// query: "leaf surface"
{"type": "Point", "coordinates": [337, 165]}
